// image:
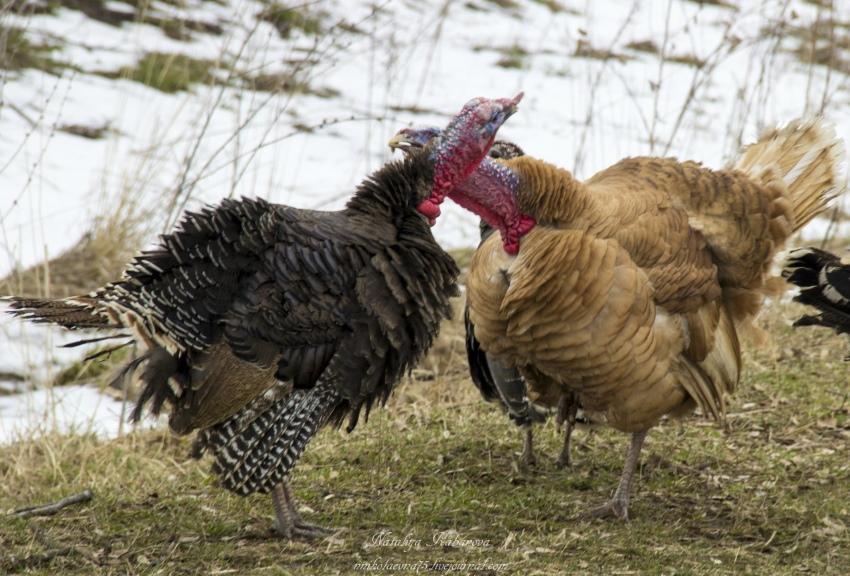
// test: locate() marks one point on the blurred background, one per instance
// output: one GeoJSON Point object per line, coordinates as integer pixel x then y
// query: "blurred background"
{"type": "Point", "coordinates": [117, 115]}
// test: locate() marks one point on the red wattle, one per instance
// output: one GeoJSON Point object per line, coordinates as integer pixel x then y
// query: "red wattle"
{"type": "Point", "coordinates": [525, 225]}
{"type": "Point", "coordinates": [429, 209]}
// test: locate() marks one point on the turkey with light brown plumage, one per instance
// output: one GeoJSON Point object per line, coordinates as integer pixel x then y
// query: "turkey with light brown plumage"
{"type": "Point", "coordinates": [497, 383]}
{"type": "Point", "coordinates": [630, 289]}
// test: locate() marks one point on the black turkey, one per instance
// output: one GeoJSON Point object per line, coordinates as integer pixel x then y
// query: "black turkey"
{"type": "Point", "coordinates": [262, 322]}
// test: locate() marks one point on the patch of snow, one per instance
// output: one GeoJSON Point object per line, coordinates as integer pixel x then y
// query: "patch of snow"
{"type": "Point", "coordinates": [64, 410]}
{"type": "Point", "coordinates": [580, 113]}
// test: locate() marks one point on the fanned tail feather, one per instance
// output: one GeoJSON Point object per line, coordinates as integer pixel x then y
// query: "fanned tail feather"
{"type": "Point", "coordinates": [80, 312]}
{"type": "Point", "coordinates": [160, 367]}
{"type": "Point", "coordinates": [800, 169]}
{"type": "Point", "coordinates": [807, 157]}
{"type": "Point", "coordinates": [87, 313]}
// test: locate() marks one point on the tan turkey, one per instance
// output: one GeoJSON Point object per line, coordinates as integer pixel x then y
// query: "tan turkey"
{"type": "Point", "coordinates": [495, 381]}
{"type": "Point", "coordinates": [630, 289]}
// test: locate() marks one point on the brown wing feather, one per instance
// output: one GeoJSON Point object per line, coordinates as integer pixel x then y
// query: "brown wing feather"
{"type": "Point", "coordinates": [655, 230]}
{"type": "Point", "coordinates": [632, 287]}
{"type": "Point", "coordinates": [580, 312]}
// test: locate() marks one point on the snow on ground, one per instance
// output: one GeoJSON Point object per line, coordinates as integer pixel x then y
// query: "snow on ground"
{"type": "Point", "coordinates": [69, 409]}
{"type": "Point", "coordinates": [415, 62]}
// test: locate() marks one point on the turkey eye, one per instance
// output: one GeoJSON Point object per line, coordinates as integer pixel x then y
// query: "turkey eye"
{"type": "Point", "coordinates": [495, 154]}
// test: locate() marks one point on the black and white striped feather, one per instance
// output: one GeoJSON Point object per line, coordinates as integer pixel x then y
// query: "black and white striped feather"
{"type": "Point", "coordinates": [824, 284]}
{"type": "Point", "coordinates": [255, 449]}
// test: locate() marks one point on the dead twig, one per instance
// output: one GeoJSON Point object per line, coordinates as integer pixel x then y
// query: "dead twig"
{"type": "Point", "coordinates": [15, 563]}
{"type": "Point", "coordinates": [19, 563]}
{"type": "Point", "coordinates": [53, 508]}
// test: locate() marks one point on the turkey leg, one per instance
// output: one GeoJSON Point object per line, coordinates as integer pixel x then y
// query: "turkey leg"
{"type": "Point", "coordinates": [618, 506]}
{"type": "Point", "coordinates": [289, 523]}
{"type": "Point", "coordinates": [567, 415]}
{"type": "Point", "coordinates": [528, 457]}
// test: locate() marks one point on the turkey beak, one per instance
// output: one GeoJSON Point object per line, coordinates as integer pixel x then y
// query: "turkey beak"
{"type": "Point", "coordinates": [398, 142]}
{"type": "Point", "coordinates": [510, 104]}
{"type": "Point", "coordinates": [508, 109]}
{"type": "Point", "coordinates": [401, 142]}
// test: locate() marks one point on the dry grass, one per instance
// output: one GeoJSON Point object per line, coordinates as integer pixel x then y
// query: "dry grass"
{"type": "Point", "coordinates": [765, 495]}
{"type": "Point", "coordinates": [584, 49]}
{"type": "Point", "coordinates": [100, 256]}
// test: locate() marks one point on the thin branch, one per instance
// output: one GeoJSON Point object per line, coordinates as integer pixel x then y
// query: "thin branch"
{"type": "Point", "coordinates": [662, 58]}
{"type": "Point", "coordinates": [588, 119]}
{"type": "Point", "coordinates": [50, 509]}
{"type": "Point", "coordinates": [727, 45]}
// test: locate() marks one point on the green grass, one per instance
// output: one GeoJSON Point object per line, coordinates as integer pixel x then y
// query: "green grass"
{"type": "Point", "coordinates": [767, 494]}
{"type": "Point", "coordinates": [555, 6]}
{"type": "Point", "coordinates": [512, 56]}
{"type": "Point", "coordinates": [505, 4]}
{"type": "Point", "coordinates": [97, 370]}
{"type": "Point", "coordinates": [716, 3]}
{"type": "Point", "coordinates": [286, 82]}
{"type": "Point", "coordinates": [19, 52]}
{"type": "Point", "coordinates": [168, 72]}
{"type": "Point", "coordinates": [288, 19]}
{"type": "Point", "coordinates": [584, 49]}
{"type": "Point", "coordinates": [143, 11]}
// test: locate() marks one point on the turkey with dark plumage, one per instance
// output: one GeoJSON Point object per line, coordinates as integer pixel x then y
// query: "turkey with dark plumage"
{"type": "Point", "coordinates": [262, 322]}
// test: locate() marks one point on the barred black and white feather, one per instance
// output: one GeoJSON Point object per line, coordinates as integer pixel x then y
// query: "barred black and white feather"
{"type": "Point", "coordinates": [281, 422]}
{"type": "Point", "coordinates": [824, 284]}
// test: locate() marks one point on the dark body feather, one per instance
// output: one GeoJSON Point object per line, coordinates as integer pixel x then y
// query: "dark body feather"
{"type": "Point", "coordinates": [824, 284]}
{"type": "Point", "coordinates": [263, 322]}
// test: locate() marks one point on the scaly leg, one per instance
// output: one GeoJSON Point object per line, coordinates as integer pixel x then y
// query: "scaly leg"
{"type": "Point", "coordinates": [528, 457]}
{"type": "Point", "coordinates": [289, 523]}
{"type": "Point", "coordinates": [567, 415]}
{"type": "Point", "coordinates": [618, 506]}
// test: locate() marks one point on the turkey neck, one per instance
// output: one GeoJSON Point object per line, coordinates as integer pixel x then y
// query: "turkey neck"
{"type": "Point", "coordinates": [382, 214]}
{"type": "Point", "coordinates": [389, 194]}
{"type": "Point", "coordinates": [491, 193]}
{"type": "Point", "coordinates": [549, 194]}
{"type": "Point", "coordinates": [513, 196]}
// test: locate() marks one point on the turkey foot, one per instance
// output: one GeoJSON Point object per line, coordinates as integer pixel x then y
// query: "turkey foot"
{"type": "Point", "coordinates": [618, 506]}
{"type": "Point", "coordinates": [289, 523]}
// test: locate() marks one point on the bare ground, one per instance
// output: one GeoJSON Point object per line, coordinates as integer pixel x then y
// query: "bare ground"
{"type": "Point", "coordinates": [767, 494]}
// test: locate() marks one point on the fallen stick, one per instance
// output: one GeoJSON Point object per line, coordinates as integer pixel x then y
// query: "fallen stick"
{"type": "Point", "coordinates": [17, 563]}
{"type": "Point", "coordinates": [14, 564]}
{"type": "Point", "coordinates": [53, 508]}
